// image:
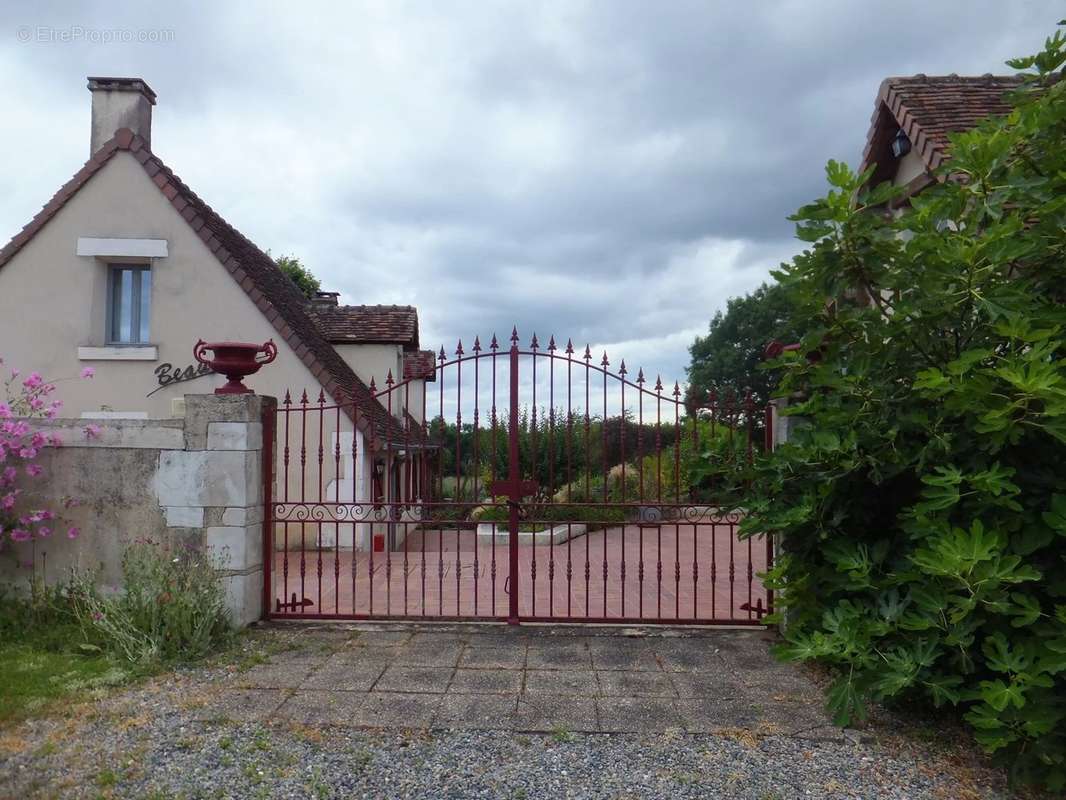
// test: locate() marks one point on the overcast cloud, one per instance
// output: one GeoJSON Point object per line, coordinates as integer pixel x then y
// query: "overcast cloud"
{"type": "Point", "coordinates": [609, 171]}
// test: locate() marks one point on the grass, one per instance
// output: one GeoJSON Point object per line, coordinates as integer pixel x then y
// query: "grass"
{"type": "Point", "coordinates": [48, 665]}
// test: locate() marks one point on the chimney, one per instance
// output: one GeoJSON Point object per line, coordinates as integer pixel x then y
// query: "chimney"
{"type": "Point", "coordinates": [120, 103]}
{"type": "Point", "coordinates": [324, 300]}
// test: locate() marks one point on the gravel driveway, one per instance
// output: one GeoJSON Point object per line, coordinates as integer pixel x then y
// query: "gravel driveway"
{"type": "Point", "coordinates": [484, 711]}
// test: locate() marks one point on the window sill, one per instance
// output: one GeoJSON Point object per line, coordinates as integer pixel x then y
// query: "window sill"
{"type": "Point", "coordinates": [147, 352]}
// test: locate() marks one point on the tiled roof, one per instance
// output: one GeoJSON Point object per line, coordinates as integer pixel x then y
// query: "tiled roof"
{"type": "Point", "coordinates": [273, 293]}
{"type": "Point", "coordinates": [367, 324]}
{"type": "Point", "coordinates": [927, 108]}
{"type": "Point", "coordinates": [420, 364]}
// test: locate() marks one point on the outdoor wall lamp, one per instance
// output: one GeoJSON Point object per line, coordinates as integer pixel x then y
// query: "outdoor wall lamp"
{"type": "Point", "coordinates": [901, 145]}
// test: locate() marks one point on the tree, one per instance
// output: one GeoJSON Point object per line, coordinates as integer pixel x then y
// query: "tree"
{"type": "Point", "coordinates": [921, 511]}
{"type": "Point", "coordinates": [305, 281]}
{"type": "Point", "coordinates": [728, 357]}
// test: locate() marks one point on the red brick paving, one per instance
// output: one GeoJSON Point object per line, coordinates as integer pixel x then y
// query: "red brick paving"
{"type": "Point", "coordinates": [686, 576]}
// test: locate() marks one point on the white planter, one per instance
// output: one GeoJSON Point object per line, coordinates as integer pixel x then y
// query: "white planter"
{"type": "Point", "coordinates": [496, 532]}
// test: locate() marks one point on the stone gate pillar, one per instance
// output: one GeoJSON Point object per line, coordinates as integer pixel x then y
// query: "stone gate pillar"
{"type": "Point", "coordinates": [216, 485]}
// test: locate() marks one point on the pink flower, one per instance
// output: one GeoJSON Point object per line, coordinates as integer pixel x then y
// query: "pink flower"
{"type": "Point", "coordinates": [44, 532]}
{"type": "Point", "coordinates": [8, 475]}
{"type": "Point", "coordinates": [28, 453]}
{"type": "Point", "coordinates": [7, 502]}
{"type": "Point", "coordinates": [72, 533]}
{"type": "Point", "coordinates": [33, 381]}
{"type": "Point", "coordinates": [20, 535]}
{"type": "Point", "coordinates": [88, 372]}
{"type": "Point", "coordinates": [5, 411]}
{"type": "Point", "coordinates": [34, 470]}
{"type": "Point", "coordinates": [92, 431]}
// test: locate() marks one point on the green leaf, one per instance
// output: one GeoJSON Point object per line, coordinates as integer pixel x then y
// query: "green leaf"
{"type": "Point", "coordinates": [845, 703]}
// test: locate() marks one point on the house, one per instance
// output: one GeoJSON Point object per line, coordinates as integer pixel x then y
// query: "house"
{"type": "Point", "coordinates": [126, 268]}
{"type": "Point", "coordinates": [908, 137]}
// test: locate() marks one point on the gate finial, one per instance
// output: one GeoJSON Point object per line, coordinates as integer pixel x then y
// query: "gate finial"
{"type": "Point", "coordinates": [551, 344]}
{"type": "Point", "coordinates": [494, 345]}
{"type": "Point", "coordinates": [477, 345]}
{"type": "Point", "coordinates": [514, 336]}
{"type": "Point", "coordinates": [569, 347]}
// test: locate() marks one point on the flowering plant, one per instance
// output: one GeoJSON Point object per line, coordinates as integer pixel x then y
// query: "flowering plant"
{"type": "Point", "coordinates": [20, 448]}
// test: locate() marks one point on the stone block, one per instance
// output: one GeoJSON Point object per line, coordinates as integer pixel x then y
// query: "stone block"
{"type": "Point", "coordinates": [243, 516]}
{"type": "Point", "coordinates": [234, 436]}
{"type": "Point", "coordinates": [184, 516]}
{"type": "Point", "coordinates": [227, 544]}
{"type": "Point", "coordinates": [244, 597]}
{"type": "Point", "coordinates": [208, 478]}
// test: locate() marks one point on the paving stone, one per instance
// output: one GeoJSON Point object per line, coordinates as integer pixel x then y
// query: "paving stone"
{"type": "Point", "coordinates": [638, 714]}
{"type": "Point", "coordinates": [561, 682]}
{"type": "Point", "coordinates": [547, 713]}
{"type": "Point", "coordinates": [617, 683]}
{"type": "Point", "coordinates": [282, 673]}
{"type": "Point", "coordinates": [516, 638]}
{"type": "Point", "coordinates": [713, 714]}
{"type": "Point", "coordinates": [623, 654]}
{"type": "Point", "coordinates": [433, 639]}
{"type": "Point", "coordinates": [243, 705]}
{"type": "Point", "coordinates": [346, 675]}
{"type": "Point", "coordinates": [477, 711]}
{"type": "Point", "coordinates": [720, 683]}
{"type": "Point", "coordinates": [314, 707]}
{"type": "Point", "coordinates": [494, 657]}
{"type": "Point", "coordinates": [376, 638]}
{"type": "Point", "coordinates": [395, 710]}
{"type": "Point", "coordinates": [486, 681]}
{"type": "Point", "coordinates": [558, 656]}
{"type": "Point", "coordinates": [429, 654]}
{"type": "Point", "coordinates": [684, 655]}
{"type": "Point", "coordinates": [429, 680]}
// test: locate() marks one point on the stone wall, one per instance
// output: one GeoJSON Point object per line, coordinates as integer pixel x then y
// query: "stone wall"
{"type": "Point", "coordinates": [197, 480]}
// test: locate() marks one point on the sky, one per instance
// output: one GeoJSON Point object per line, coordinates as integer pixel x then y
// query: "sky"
{"type": "Point", "coordinates": [611, 171]}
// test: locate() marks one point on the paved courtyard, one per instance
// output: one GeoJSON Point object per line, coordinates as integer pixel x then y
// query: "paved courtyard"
{"type": "Point", "coordinates": [672, 571]}
{"type": "Point", "coordinates": [533, 679]}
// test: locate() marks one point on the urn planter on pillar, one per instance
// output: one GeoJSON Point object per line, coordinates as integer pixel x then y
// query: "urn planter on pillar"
{"type": "Point", "coordinates": [235, 360]}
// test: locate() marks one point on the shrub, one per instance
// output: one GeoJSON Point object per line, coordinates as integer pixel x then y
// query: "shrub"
{"type": "Point", "coordinates": [922, 512]}
{"type": "Point", "coordinates": [595, 516]}
{"type": "Point", "coordinates": [172, 606]}
{"type": "Point", "coordinates": [20, 448]}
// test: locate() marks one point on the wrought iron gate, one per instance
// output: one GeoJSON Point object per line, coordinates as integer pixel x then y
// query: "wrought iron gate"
{"type": "Point", "coordinates": [515, 484]}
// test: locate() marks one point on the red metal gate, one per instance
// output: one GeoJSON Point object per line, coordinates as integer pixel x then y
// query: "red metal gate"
{"type": "Point", "coordinates": [546, 486]}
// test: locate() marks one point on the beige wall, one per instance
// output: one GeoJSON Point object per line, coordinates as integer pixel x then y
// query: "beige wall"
{"type": "Point", "coordinates": [908, 168]}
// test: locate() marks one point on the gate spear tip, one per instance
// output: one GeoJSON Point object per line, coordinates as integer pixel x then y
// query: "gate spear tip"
{"type": "Point", "coordinates": [494, 345]}
{"type": "Point", "coordinates": [551, 344]}
{"type": "Point", "coordinates": [514, 335]}
{"type": "Point", "coordinates": [569, 347]}
{"type": "Point", "coordinates": [459, 348]}
{"type": "Point", "coordinates": [477, 344]}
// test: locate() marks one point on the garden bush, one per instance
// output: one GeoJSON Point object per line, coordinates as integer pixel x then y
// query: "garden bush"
{"type": "Point", "coordinates": [594, 515]}
{"type": "Point", "coordinates": [921, 512]}
{"type": "Point", "coordinates": [171, 607]}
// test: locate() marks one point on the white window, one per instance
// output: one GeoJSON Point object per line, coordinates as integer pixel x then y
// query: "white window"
{"type": "Point", "coordinates": [129, 292]}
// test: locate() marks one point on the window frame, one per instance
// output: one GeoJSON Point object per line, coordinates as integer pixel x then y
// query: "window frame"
{"type": "Point", "coordinates": [137, 300]}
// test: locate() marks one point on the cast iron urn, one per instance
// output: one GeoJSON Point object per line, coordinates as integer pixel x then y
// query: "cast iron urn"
{"type": "Point", "coordinates": [235, 360]}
